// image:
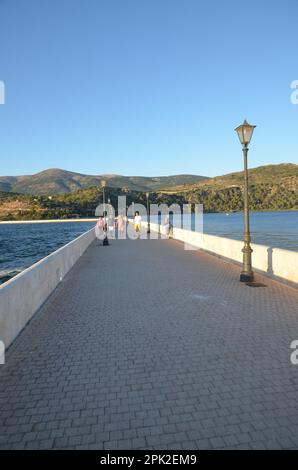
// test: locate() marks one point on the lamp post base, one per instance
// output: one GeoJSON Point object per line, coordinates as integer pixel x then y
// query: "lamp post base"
{"type": "Point", "coordinates": [105, 241]}
{"type": "Point", "coordinates": [247, 274]}
{"type": "Point", "coordinates": [246, 277]}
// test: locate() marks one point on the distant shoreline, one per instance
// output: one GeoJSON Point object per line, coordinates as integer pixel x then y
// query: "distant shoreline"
{"type": "Point", "coordinates": [45, 221]}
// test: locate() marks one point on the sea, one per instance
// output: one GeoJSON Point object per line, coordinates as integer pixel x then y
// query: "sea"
{"type": "Point", "coordinates": [22, 245]}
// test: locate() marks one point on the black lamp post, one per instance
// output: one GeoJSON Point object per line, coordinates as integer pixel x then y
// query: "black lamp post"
{"type": "Point", "coordinates": [148, 213]}
{"type": "Point", "coordinates": [105, 241]}
{"type": "Point", "coordinates": [103, 185]}
{"type": "Point", "coordinates": [245, 132]}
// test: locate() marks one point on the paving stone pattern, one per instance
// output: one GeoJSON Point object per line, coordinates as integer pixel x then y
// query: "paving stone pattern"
{"type": "Point", "coordinates": [144, 345]}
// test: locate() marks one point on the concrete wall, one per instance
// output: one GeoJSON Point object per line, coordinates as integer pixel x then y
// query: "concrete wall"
{"type": "Point", "coordinates": [275, 262]}
{"type": "Point", "coordinates": [21, 297]}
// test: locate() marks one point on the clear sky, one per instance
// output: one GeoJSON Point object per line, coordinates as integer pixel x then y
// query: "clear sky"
{"type": "Point", "coordinates": [146, 87]}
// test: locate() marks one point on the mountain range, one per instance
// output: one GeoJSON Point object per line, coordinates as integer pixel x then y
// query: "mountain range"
{"type": "Point", "coordinates": [55, 194]}
{"type": "Point", "coordinates": [285, 174]}
{"type": "Point", "coordinates": [57, 181]}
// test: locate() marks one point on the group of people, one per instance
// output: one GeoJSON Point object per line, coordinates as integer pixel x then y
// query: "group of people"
{"type": "Point", "coordinates": [108, 224]}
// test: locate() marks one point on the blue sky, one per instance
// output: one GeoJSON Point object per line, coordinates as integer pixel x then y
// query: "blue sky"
{"type": "Point", "coordinates": [146, 87]}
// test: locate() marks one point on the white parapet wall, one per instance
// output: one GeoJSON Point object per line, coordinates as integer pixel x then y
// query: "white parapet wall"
{"type": "Point", "coordinates": [275, 262]}
{"type": "Point", "coordinates": [22, 296]}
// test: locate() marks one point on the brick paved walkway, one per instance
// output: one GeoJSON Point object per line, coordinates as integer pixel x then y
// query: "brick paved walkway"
{"type": "Point", "coordinates": [145, 345]}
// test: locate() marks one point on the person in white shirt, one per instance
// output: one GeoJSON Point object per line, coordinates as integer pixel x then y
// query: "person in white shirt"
{"type": "Point", "coordinates": [137, 221]}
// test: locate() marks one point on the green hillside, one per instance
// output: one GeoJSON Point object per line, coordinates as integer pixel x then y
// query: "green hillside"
{"type": "Point", "coordinates": [273, 187]}
{"type": "Point", "coordinates": [56, 181]}
{"type": "Point", "coordinates": [78, 204]}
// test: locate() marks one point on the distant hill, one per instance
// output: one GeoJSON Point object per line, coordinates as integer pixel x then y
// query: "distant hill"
{"type": "Point", "coordinates": [56, 181]}
{"type": "Point", "coordinates": [271, 187]}
{"type": "Point", "coordinates": [283, 173]}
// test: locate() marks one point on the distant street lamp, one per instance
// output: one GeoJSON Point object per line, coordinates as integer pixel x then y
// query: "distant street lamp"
{"type": "Point", "coordinates": [245, 132]}
{"type": "Point", "coordinates": [148, 213]}
{"type": "Point", "coordinates": [103, 185]}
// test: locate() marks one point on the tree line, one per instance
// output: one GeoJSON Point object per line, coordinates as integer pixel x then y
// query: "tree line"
{"type": "Point", "coordinates": [82, 203]}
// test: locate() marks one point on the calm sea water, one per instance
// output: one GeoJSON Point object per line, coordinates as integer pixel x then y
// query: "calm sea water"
{"type": "Point", "coordinates": [275, 229]}
{"type": "Point", "coordinates": [23, 244]}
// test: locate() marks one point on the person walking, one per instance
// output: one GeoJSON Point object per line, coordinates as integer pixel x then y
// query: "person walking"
{"type": "Point", "coordinates": [100, 223]}
{"type": "Point", "coordinates": [99, 228]}
{"type": "Point", "coordinates": [167, 225]}
{"type": "Point", "coordinates": [120, 223]}
{"type": "Point", "coordinates": [111, 226]}
{"type": "Point", "coordinates": [137, 221]}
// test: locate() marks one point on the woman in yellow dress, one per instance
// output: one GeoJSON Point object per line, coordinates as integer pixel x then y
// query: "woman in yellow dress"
{"type": "Point", "coordinates": [137, 221]}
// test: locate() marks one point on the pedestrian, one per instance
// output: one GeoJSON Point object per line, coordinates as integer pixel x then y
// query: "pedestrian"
{"type": "Point", "coordinates": [99, 228]}
{"type": "Point", "coordinates": [111, 225]}
{"type": "Point", "coordinates": [100, 223]}
{"type": "Point", "coordinates": [137, 221]}
{"type": "Point", "coordinates": [120, 223]}
{"type": "Point", "coordinates": [168, 225]}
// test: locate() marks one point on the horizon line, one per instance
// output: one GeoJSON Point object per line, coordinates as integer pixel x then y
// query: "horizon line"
{"type": "Point", "coordinates": [142, 176]}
